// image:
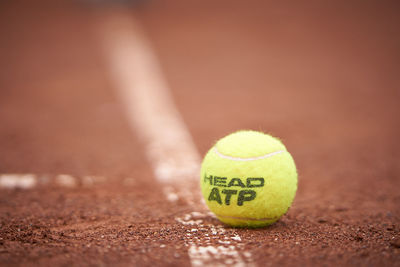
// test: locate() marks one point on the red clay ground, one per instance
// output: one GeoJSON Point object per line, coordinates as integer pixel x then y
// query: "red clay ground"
{"type": "Point", "coordinates": [323, 77]}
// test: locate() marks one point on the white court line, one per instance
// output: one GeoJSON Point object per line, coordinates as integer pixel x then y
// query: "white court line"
{"type": "Point", "coordinates": [148, 103]}
{"type": "Point", "coordinates": [154, 117]}
{"type": "Point", "coordinates": [12, 180]}
{"type": "Point", "coordinates": [31, 180]}
{"type": "Point", "coordinates": [199, 241]}
{"type": "Point", "coordinates": [66, 180]}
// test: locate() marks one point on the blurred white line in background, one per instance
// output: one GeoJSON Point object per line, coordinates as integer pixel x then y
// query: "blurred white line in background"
{"type": "Point", "coordinates": [22, 181]}
{"type": "Point", "coordinates": [149, 105]}
{"type": "Point", "coordinates": [152, 114]}
{"type": "Point", "coordinates": [31, 180]}
{"type": "Point", "coordinates": [66, 180]}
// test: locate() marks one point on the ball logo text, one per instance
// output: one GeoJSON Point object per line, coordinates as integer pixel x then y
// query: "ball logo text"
{"type": "Point", "coordinates": [223, 185]}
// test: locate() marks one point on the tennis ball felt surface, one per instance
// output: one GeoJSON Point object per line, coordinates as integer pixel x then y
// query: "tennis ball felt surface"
{"type": "Point", "coordinates": [248, 179]}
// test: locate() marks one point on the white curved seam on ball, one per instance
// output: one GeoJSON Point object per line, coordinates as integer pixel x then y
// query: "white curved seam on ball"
{"type": "Point", "coordinates": [246, 218]}
{"type": "Point", "coordinates": [247, 159]}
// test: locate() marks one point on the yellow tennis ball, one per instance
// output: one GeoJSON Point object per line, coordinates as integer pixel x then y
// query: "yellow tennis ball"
{"type": "Point", "coordinates": [248, 178]}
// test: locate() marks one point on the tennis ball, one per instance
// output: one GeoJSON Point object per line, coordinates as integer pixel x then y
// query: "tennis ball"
{"type": "Point", "coordinates": [248, 179]}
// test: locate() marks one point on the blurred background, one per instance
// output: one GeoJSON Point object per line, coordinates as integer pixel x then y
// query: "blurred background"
{"type": "Point", "coordinates": [314, 73]}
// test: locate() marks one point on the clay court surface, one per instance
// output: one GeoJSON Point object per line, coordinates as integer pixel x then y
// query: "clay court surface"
{"type": "Point", "coordinates": [106, 112]}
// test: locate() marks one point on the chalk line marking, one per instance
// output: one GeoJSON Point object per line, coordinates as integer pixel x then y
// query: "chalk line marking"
{"type": "Point", "coordinates": [29, 180]}
{"type": "Point", "coordinates": [66, 180]}
{"type": "Point", "coordinates": [145, 95]}
{"type": "Point", "coordinates": [22, 181]}
{"type": "Point", "coordinates": [152, 114]}
{"type": "Point", "coordinates": [200, 248]}
{"type": "Point", "coordinates": [216, 151]}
